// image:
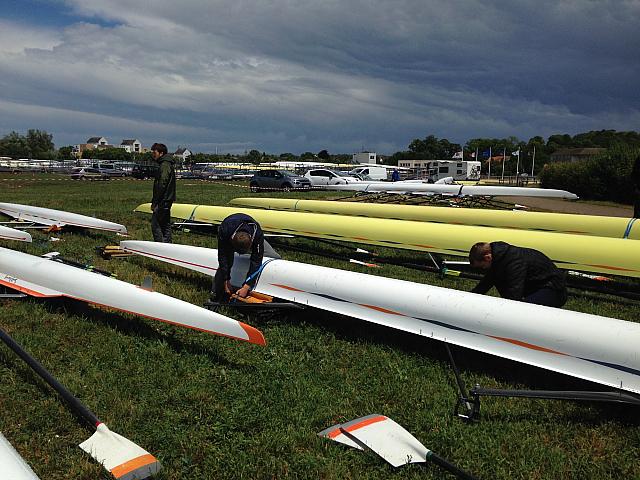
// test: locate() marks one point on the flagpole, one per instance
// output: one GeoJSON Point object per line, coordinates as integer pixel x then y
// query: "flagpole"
{"type": "Point", "coordinates": [534, 160]}
{"type": "Point", "coordinates": [504, 152]}
{"type": "Point", "coordinates": [489, 175]}
{"type": "Point", "coordinates": [518, 165]}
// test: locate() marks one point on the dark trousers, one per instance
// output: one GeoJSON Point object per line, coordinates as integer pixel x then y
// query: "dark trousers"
{"type": "Point", "coordinates": [217, 289]}
{"type": "Point", "coordinates": [548, 297]}
{"type": "Point", "coordinates": [636, 205]}
{"type": "Point", "coordinates": [161, 225]}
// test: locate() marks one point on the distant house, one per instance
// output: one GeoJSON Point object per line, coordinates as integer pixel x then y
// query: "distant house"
{"type": "Point", "coordinates": [131, 146]}
{"type": "Point", "coordinates": [575, 154]}
{"type": "Point", "coordinates": [183, 153]}
{"type": "Point", "coordinates": [91, 144]}
{"type": "Point", "coordinates": [364, 157]}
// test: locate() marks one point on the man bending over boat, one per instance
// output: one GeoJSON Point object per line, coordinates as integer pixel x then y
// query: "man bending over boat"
{"type": "Point", "coordinates": [522, 274]}
{"type": "Point", "coordinates": [238, 233]}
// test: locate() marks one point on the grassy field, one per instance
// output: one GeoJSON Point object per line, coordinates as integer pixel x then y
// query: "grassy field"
{"type": "Point", "coordinates": [209, 407]}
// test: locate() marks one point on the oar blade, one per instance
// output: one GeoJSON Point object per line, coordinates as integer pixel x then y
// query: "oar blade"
{"type": "Point", "coordinates": [120, 456]}
{"type": "Point", "coordinates": [381, 435]}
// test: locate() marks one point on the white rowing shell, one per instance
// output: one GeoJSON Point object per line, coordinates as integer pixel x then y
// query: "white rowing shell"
{"type": "Point", "coordinates": [41, 277]}
{"type": "Point", "coordinates": [591, 347]}
{"type": "Point", "coordinates": [12, 465]}
{"type": "Point", "coordinates": [58, 218]}
{"type": "Point", "coordinates": [7, 233]}
{"type": "Point", "coordinates": [456, 190]}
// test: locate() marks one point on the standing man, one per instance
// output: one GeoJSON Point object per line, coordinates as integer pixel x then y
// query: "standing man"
{"type": "Point", "coordinates": [164, 193]}
{"type": "Point", "coordinates": [635, 178]}
{"type": "Point", "coordinates": [522, 274]}
{"type": "Point", "coordinates": [395, 175]}
{"type": "Point", "coordinates": [238, 233]}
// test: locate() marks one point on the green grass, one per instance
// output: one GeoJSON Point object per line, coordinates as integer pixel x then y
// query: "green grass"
{"type": "Point", "coordinates": [210, 407]}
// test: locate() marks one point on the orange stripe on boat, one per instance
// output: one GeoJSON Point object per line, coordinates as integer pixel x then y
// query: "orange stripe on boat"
{"type": "Point", "coordinates": [527, 345]}
{"type": "Point", "coordinates": [356, 426]}
{"type": "Point", "coordinates": [286, 287]}
{"type": "Point", "coordinates": [609, 267]}
{"type": "Point", "coordinates": [380, 309]}
{"type": "Point", "coordinates": [26, 290]}
{"type": "Point", "coordinates": [128, 467]}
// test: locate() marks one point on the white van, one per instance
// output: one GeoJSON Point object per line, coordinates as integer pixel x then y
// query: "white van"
{"type": "Point", "coordinates": [374, 173]}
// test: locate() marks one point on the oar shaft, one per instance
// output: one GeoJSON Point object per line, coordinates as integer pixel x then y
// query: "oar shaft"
{"type": "Point", "coordinates": [450, 467]}
{"type": "Point", "coordinates": [73, 402]}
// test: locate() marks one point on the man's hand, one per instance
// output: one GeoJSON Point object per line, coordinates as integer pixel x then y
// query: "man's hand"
{"type": "Point", "coordinates": [244, 291]}
{"type": "Point", "coordinates": [227, 287]}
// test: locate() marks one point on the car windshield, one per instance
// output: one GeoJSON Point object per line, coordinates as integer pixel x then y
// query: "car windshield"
{"type": "Point", "coordinates": [288, 174]}
{"type": "Point", "coordinates": [342, 174]}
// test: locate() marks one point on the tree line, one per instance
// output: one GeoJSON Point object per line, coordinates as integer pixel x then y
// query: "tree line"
{"type": "Point", "coordinates": [38, 144]}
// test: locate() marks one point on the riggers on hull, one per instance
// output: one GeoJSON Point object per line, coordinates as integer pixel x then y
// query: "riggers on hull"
{"type": "Point", "coordinates": [591, 347]}
{"type": "Point", "coordinates": [575, 252]}
{"type": "Point", "coordinates": [41, 277]}
{"type": "Point", "coordinates": [58, 218]}
{"type": "Point", "coordinates": [615, 227]}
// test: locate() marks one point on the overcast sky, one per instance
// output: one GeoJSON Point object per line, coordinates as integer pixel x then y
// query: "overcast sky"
{"type": "Point", "coordinates": [306, 75]}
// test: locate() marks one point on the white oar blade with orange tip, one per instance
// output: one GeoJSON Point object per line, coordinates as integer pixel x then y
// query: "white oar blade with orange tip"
{"type": "Point", "coordinates": [123, 458]}
{"type": "Point", "coordinates": [382, 435]}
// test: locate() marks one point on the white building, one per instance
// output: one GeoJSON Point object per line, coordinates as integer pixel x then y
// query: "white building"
{"type": "Point", "coordinates": [131, 146]}
{"type": "Point", "coordinates": [183, 153]}
{"type": "Point", "coordinates": [365, 157]}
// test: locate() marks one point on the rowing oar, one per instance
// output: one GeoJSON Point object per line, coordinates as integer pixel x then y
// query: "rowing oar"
{"type": "Point", "coordinates": [390, 441]}
{"type": "Point", "coordinates": [123, 458]}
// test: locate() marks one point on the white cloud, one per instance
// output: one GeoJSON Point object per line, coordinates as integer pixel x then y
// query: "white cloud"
{"type": "Point", "coordinates": [307, 75]}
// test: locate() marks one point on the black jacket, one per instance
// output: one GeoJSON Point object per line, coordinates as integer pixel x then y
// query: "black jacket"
{"type": "Point", "coordinates": [164, 185]}
{"type": "Point", "coordinates": [518, 272]}
{"type": "Point", "coordinates": [230, 225]}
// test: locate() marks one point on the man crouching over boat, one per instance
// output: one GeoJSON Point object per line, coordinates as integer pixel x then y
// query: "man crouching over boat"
{"type": "Point", "coordinates": [518, 273]}
{"type": "Point", "coordinates": [238, 233]}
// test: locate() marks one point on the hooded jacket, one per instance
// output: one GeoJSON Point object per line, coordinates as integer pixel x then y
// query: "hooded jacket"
{"type": "Point", "coordinates": [518, 272]}
{"type": "Point", "coordinates": [164, 185]}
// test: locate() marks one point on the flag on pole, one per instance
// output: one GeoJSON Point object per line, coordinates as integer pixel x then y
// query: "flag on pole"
{"type": "Point", "coordinates": [457, 155]}
{"type": "Point", "coordinates": [486, 153]}
{"type": "Point", "coordinates": [517, 152]}
{"type": "Point", "coordinates": [473, 154]}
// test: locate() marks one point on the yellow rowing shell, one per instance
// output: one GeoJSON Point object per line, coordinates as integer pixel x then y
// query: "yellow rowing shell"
{"type": "Point", "coordinates": [578, 252]}
{"type": "Point", "coordinates": [615, 227]}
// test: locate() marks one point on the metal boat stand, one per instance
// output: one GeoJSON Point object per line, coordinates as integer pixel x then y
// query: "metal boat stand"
{"type": "Point", "coordinates": [467, 405]}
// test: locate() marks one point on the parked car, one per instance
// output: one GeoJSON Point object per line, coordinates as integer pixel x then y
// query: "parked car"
{"type": "Point", "coordinates": [88, 173]}
{"type": "Point", "coordinates": [213, 173]}
{"type": "Point", "coordinates": [324, 176]}
{"type": "Point", "coordinates": [278, 180]}
{"type": "Point", "coordinates": [144, 171]}
{"type": "Point", "coordinates": [110, 170]}
{"type": "Point", "coordinates": [374, 173]}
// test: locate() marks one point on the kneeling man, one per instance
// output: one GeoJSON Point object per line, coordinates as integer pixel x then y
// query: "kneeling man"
{"type": "Point", "coordinates": [522, 274]}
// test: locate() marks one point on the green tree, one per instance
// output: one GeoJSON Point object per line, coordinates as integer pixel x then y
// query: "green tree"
{"type": "Point", "coordinates": [254, 156]}
{"type": "Point", "coordinates": [307, 156]}
{"type": "Point", "coordinates": [324, 155]}
{"type": "Point", "coordinates": [15, 146]}
{"type": "Point", "coordinates": [65, 153]}
{"type": "Point", "coordinates": [40, 144]}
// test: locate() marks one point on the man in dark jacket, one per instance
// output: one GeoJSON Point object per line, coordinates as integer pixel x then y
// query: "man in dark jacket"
{"type": "Point", "coordinates": [636, 187]}
{"type": "Point", "coordinates": [238, 233]}
{"type": "Point", "coordinates": [164, 194]}
{"type": "Point", "coordinates": [518, 273]}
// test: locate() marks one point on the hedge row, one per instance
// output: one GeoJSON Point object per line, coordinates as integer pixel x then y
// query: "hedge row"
{"type": "Point", "coordinates": [604, 177]}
